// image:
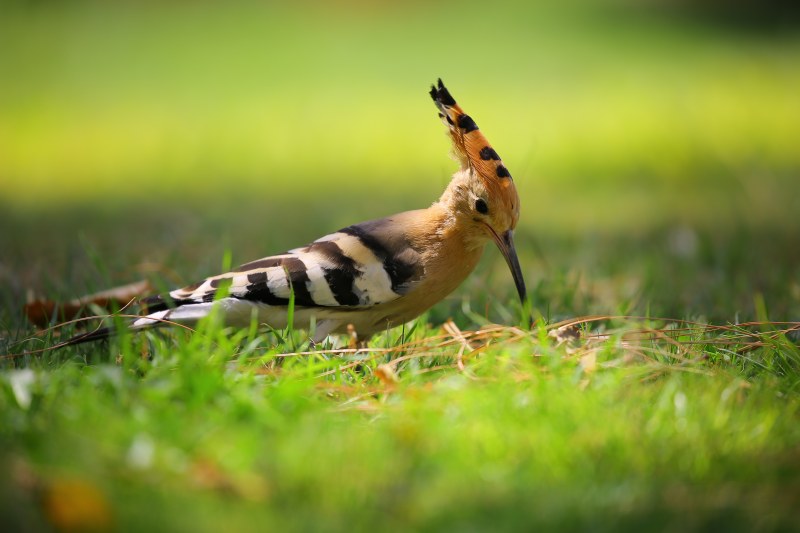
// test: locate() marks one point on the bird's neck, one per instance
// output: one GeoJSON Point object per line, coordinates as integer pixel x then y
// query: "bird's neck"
{"type": "Point", "coordinates": [452, 246]}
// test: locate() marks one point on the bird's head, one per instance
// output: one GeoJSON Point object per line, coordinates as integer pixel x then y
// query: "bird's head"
{"type": "Point", "coordinates": [482, 195]}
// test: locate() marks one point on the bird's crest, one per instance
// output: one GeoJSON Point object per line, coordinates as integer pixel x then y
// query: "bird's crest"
{"type": "Point", "coordinates": [470, 147]}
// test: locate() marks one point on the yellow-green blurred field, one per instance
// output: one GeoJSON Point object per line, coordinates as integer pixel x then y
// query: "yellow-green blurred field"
{"type": "Point", "coordinates": [656, 149]}
{"type": "Point", "coordinates": [594, 105]}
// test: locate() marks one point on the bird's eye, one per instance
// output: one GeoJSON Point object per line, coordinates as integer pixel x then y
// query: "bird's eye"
{"type": "Point", "coordinates": [481, 207]}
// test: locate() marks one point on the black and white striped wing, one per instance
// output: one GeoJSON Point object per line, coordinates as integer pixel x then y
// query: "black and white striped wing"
{"type": "Point", "coordinates": [363, 265]}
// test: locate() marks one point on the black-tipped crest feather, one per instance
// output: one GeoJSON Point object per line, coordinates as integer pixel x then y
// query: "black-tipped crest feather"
{"type": "Point", "coordinates": [441, 95]}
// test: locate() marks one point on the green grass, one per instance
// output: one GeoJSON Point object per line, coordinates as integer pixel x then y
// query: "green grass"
{"type": "Point", "coordinates": [527, 435]}
{"type": "Point", "coordinates": [656, 158]}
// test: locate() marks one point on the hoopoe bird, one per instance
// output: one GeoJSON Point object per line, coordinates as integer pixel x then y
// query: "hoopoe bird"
{"type": "Point", "coordinates": [373, 275]}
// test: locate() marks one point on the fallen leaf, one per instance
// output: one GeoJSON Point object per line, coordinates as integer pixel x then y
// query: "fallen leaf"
{"type": "Point", "coordinates": [76, 505]}
{"type": "Point", "coordinates": [386, 374]}
{"type": "Point", "coordinates": [566, 334]}
{"type": "Point", "coordinates": [40, 312]}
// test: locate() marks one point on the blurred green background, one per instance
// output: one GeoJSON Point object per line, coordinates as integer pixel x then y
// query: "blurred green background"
{"type": "Point", "coordinates": [655, 146]}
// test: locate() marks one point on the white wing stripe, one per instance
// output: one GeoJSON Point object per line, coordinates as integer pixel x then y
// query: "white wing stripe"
{"type": "Point", "coordinates": [373, 285]}
{"type": "Point", "coordinates": [317, 284]}
{"type": "Point", "coordinates": [277, 283]}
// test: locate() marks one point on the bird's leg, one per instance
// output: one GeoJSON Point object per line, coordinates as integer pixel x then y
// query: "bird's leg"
{"type": "Point", "coordinates": [354, 342]}
{"type": "Point", "coordinates": [323, 329]}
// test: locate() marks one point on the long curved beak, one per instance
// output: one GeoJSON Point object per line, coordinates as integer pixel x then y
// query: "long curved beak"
{"type": "Point", "coordinates": [506, 244]}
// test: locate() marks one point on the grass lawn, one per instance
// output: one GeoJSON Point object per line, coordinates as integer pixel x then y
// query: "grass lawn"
{"type": "Point", "coordinates": [656, 157]}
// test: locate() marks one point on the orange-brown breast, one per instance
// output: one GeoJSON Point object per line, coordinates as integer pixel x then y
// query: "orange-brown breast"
{"type": "Point", "coordinates": [448, 256]}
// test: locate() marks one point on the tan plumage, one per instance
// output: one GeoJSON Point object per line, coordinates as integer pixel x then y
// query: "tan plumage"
{"type": "Point", "coordinates": [376, 274]}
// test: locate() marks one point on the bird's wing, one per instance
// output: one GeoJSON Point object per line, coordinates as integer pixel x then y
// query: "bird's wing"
{"type": "Point", "coordinates": [362, 265]}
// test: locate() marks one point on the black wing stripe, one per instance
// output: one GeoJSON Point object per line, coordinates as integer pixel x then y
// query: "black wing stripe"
{"type": "Point", "coordinates": [153, 304]}
{"type": "Point", "coordinates": [260, 292]}
{"type": "Point", "coordinates": [267, 262]}
{"type": "Point", "coordinates": [216, 282]}
{"type": "Point", "coordinates": [399, 271]}
{"type": "Point", "coordinates": [368, 240]}
{"type": "Point", "coordinates": [341, 275]}
{"type": "Point", "coordinates": [298, 278]}
{"type": "Point", "coordinates": [257, 277]}
{"type": "Point", "coordinates": [162, 302]}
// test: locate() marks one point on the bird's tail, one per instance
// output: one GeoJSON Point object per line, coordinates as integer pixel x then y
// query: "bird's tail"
{"type": "Point", "coordinates": [96, 335]}
{"type": "Point", "coordinates": [184, 314]}
{"type": "Point", "coordinates": [102, 333]}
{"type": "Point", "coordinates": [470, 146]}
